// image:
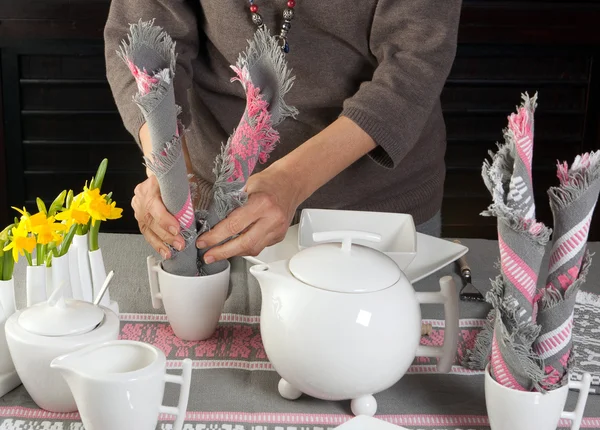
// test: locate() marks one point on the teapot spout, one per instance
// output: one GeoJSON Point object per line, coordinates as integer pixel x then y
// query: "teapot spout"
{"type": "Point", "coordinates": [267, 278]}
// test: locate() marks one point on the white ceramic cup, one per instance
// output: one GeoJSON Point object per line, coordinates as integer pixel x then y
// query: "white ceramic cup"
{"type": "Point", "coordinates": [193, 304]}
{"type": "Point", "coordinates": [510, 409]}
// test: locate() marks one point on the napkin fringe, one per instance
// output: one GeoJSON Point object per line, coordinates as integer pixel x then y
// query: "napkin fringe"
{"type": "Point", "coordinates": [227, 195]}
{"type": "Point", "coordinates": [162, 161]}
{"type": "Point", "coordinates": [266, 47]}
{"type": "Point", "coordinates": [145, 33]}
{"type": "Point", "coordinates": [551, 297]}
{"type": "Point", "coordinates": [479, 357]}
{"type": "Point", "coordinates": [148, 102]}
{"type": "Point", "coordinates": [575, 180]}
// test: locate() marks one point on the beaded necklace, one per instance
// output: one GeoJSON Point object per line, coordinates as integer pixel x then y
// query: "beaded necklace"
{"type": "Point", "coordinates": [286, 25]}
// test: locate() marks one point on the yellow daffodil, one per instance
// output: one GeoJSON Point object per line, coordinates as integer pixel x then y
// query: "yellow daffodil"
{"type": "Point", "coordinates": [20, 241]}
{"type": "Point", "coordinates": [97, 206]}
{"type": "Point", "coordinates": [25, 218]}
{"type": "Point", "coordinates": [75, 214]}
{"type": "Point", "coordinates": [47, 232]}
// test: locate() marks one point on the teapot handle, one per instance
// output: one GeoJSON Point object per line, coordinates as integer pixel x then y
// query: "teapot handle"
{"type": "Point", "coordinates": [447, 296]}
{"type": "Point", "coordinates": [155, 294]}
{"type": "Point", "coordinates": [347, 236]}
{"type": "Point", "coordinates": [184, 394]}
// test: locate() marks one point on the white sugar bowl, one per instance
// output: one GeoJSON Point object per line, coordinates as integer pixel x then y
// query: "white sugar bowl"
{"type": "Point", "coordinates": [42, 332]}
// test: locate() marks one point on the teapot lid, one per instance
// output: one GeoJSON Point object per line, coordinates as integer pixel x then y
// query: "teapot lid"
{"type": "Point", "coordinates": [345, 267]}
{"type": "Point", "coordinates": [61, 317]}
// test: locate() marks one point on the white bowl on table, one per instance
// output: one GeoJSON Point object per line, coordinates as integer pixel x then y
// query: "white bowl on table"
{"type": "Point", "coordinates": [397, 231]}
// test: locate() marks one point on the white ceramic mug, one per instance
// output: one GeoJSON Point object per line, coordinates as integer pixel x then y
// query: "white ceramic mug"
{"type": "Point", "coordinates": [119, 385]}
{"type": "Point", "coordinates": [510, 409]}
{"type": "Point", "coordinates": [193, 304]}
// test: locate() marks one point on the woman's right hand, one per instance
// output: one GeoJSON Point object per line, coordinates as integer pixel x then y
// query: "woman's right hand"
{"type": "Point", "coordinates": [156, 223]}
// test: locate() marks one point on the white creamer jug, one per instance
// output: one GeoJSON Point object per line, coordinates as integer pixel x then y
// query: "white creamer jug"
{"type": "Point", "coordinates": [119, 385]}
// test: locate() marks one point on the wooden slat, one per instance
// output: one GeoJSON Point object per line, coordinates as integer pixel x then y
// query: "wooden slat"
{"type": "Point", "coordinates": [64, 67]}
{"type": "Point", "coordinates": [82, 127]}
{"type": "Point", "coordinates": [60, 158]}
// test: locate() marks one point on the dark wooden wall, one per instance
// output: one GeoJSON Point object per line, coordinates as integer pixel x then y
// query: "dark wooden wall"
{"type": "Point", "coordinates": [59, 120]}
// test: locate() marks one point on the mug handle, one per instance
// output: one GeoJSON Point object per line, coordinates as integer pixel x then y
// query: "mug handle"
{"type": "Point", "coordinates": [576, 416]}
{"type": "Point", "coordinates": [184, 380]}
{"type": "Point", "coordinates": [447, 296]}
{"type": "Point", "coordinates": [155, 293]}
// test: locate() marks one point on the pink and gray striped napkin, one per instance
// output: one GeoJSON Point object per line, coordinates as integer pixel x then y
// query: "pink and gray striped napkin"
{"type": "Point", "coordinates": [527, 340]}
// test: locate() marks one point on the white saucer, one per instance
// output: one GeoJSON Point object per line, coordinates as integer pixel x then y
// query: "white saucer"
{"type": "Point", "coordinates": [363, 422]}
{"type": "Point", "coordinates": [432, 254]}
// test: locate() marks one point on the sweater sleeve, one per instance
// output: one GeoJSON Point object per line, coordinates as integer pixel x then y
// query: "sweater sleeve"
{"type": "Point", "coordinates": [414, 42]}
{"type": "Point", "coordinates": [179, 20]}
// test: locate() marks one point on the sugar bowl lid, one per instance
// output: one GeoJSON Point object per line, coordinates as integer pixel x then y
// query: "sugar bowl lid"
{"type": "Point", "coordinates": [61, 317]}
{"type": "Point", "coordinates": [345, 267]}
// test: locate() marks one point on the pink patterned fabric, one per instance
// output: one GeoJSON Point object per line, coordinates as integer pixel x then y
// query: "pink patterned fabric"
{"type": "Point", "coordinates": [501, 372]}
{"type": "Point", "coordinates": [517, 271]}
{"type": "Point", "coordinates": [186, 215]}
{"type": "Point", "coordinates": [254, 138]}
{"type": "Point", "coordinates": [144, 81]}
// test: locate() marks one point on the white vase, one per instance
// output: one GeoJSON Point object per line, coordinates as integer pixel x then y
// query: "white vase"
{"type": "Point", "coordinates": [7, 297]}
{"type": "Point", "coordinates": [9, 380]}
{"type": "Point", "coordinates": [61, 275]}
{"type": "Point", "coordinates": [49, 286]}
{"type": "Point", "coordinates": [35, 284]}
{"type": "Point", "coordinates": [85, 276]}
{"type": "Point", "coordinates": [74, 272]}
{"type": "Point", "coordinates": [98, 275]}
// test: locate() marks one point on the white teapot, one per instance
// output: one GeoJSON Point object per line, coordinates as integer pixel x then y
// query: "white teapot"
{"type": "Point", "coordinates": [340, 321]}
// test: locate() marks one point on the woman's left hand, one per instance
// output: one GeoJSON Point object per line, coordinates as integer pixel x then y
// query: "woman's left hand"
{"type": "Point", "coordinates": [273, 197]}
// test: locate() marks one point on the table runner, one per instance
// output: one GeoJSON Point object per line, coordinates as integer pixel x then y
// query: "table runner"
{"type": "Point", "coordinates": [237, 347]}
{"type": "Point", "coordinates": [226, 397]}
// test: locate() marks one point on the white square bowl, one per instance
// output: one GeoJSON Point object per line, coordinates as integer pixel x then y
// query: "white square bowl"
{"type": "Point", "coordinates": [397, 231]}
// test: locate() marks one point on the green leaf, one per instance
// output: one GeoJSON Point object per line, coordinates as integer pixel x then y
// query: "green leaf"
{"type": "Point", "coordinates": [99, 178]}
{"type": "Point", "coordinates": [64, 248]}
{"type": "Point", "coordinates": [9, 264]}
{"type": "Point", "coordinates": [69, 199]}
{"type": "Point", "coordinates": [57, 204]}
{"type": "Point", "coordinates": [4, 234]}
{"type": "Point", "coordinates": [41, 206]}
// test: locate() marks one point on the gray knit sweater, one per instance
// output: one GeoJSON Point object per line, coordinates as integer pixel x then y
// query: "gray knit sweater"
{"type": "Point", "coordinates": [381, 63]}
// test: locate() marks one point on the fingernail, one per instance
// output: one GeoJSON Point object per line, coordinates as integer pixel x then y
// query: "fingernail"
{"type": "Point", "coordinates": [164, 254]}
{"type": "Point", "coordinates": [173, 230]}
{"type": "Point", "coordinates": [200, 244]}
{"type": "Point", "coordinates": [179, 245]}
{"type": "Point", "coordinates": [209, 259]}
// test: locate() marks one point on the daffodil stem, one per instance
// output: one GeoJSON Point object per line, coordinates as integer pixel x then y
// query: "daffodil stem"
{"type": "Point", "coordinates": [43, 254]}
{"type": "Point", "coordinates": [28, 257]}
{"type": "Point", "coordinates": [2, 263]}
{"type": "Point", "coordinates": [39, 256]}
{"type": "Point", "coordinates": [94, 231]}
{"type": "Point", "coordinates": [9, 264]}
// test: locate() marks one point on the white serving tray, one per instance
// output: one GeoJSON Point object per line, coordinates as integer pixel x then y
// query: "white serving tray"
{"type": "Point", "coordinates": [362, 422]}
{"type": "Point", "coordinates": [432, 254]}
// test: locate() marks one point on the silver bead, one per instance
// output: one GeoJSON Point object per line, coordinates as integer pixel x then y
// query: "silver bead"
{"type": "Point", "coordinates": [257, 19]}
{"type": "Point", "coordinates": [288, 14]}
{"type": "Point", "coordinates": [286, 26]}
{"type": "Point", "coordinates": [283, 33]}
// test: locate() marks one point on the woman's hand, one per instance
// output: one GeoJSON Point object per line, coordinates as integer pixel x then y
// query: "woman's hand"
{"type": "Point", "coordinates": [273, 197]}
{"type": "Point", "coordinates": [156, 224]}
